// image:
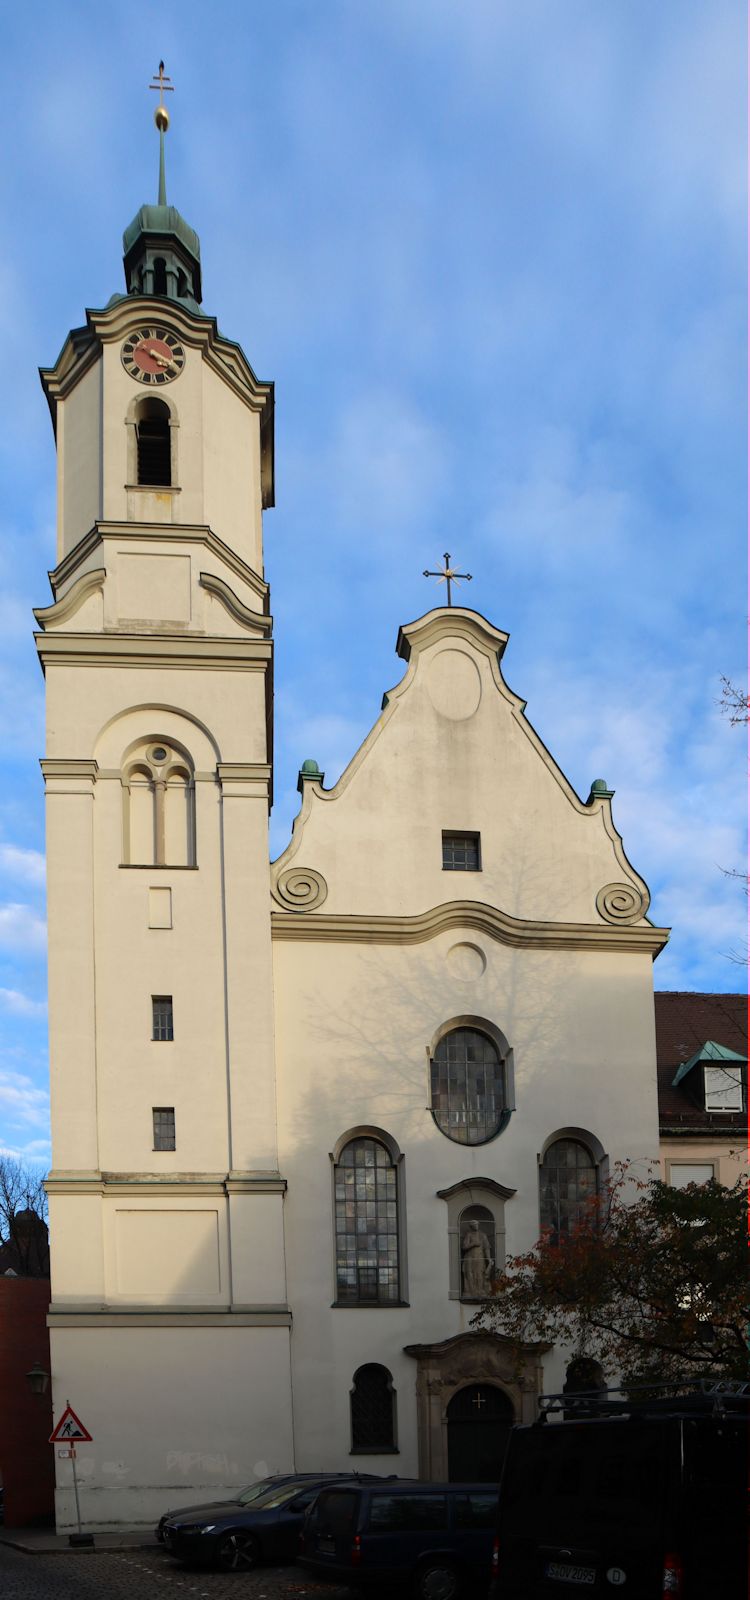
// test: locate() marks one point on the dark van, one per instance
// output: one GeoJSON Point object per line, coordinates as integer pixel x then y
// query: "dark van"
{"type": "Point", "coordinates": [435, 1536]}
{"type": "Point", "coordinates": [643, 1496]}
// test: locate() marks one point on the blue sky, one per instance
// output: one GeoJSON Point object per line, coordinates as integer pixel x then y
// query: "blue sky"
{"type": "Point", "coordinates": [492, 253]}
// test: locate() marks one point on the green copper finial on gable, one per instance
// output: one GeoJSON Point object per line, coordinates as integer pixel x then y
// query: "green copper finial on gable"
{"type": "Point", "coordinates": [309, 772]}
{"type": "Point", "coordinates": [162, 253]}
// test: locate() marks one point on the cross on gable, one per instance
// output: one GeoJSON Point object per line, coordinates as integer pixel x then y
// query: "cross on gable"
{"type": "Point", "coordinates": [448, 575]}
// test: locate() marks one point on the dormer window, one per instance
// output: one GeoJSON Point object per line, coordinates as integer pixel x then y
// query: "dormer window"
{"type": "Point", "coordinates": [153, 443]}
{"type": "Point", "coordinates": [722, 1087]}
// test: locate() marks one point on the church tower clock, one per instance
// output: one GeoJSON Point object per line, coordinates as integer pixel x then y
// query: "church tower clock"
{"type": "Point", "coordinates": [168, 1289]}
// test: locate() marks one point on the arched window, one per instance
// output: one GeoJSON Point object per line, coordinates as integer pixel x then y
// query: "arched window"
{"type": "Point", "coordinates": [468, 1087]}
{"type": "Point", "coordinates": [160, 275]}
{"type": "Point", "coordinates": [153, 442]}
{"type": "Point", "coordinates": [366, 1208]}
{"type": "Point", "coordinates": [373, 1409]}
{"type": "Point", "coordinates": [567, 1183]}
{"type": "Point", "coordinates": [159, 808]}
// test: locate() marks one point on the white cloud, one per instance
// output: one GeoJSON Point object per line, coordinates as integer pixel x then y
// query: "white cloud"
{"type": "Point", "coordinates": [22, 928]}
{"type": "Point", "coordinates": [22, 1101]}
{"type": "Point", "coordinates": [26, 865]}
{"type": "Point", "coordinates": [20, 1004]}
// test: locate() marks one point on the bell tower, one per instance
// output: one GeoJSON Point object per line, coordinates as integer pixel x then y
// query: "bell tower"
{"type": "Point", "coordinates": [168, 1287]}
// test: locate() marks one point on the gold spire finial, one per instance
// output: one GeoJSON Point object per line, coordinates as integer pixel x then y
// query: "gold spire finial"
{"type": "Point", "coordinates": [164, 85]}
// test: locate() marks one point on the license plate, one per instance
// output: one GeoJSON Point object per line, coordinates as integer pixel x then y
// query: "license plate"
{"type": "Point", "coordinates": [564, 1573]}
{"type": "Point", "coordinates": [327, 1545]}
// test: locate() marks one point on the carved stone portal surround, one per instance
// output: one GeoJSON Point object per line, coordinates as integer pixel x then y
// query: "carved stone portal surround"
{"type": "Point", "coordinates": [446, 1367]}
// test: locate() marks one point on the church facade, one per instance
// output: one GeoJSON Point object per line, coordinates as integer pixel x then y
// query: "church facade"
{"type": "Point", "coordinates": [302, 1109]}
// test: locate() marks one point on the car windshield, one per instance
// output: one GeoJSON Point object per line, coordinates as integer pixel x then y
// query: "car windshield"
{"type": "Point", "coordinates": [256, 1490]}
{"type": "Point", "coordinates": [279, 1496]}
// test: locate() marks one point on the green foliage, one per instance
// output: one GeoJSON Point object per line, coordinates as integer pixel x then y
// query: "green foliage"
{"type": "Point", "coordinates": [652, 1283]}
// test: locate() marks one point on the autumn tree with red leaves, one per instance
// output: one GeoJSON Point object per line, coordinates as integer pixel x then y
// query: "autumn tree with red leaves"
{"type": "Point", "coordinates": [652, 1282]}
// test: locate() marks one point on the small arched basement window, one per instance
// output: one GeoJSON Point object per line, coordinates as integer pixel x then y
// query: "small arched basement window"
{"type": "Point", "coordinates": [373, 1410]}
{"type": "Point", "coordinates": [153, 437]}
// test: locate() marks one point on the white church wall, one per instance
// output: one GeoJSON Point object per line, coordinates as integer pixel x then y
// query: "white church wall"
{"type": "Point", "coordinates": [178, 1414]}
{"type": "Point", "coordinates": [79, 466]}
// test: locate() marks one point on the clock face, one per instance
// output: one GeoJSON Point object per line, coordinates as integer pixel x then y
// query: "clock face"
{"type": "Point", "coordinates": [153, 355]}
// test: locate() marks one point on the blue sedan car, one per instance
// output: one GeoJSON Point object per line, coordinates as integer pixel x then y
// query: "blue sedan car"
{"type": "Point", "coordinates": [237, 1536]}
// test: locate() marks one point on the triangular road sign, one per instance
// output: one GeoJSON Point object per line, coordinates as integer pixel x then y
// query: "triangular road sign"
{"type": "Point", "coordinates": [69, 1427]}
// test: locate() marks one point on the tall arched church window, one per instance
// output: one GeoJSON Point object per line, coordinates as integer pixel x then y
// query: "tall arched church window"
{"type": "Point", "coordinates": [373, 1411]}
{"type": "Point", "coordinates": [153, 442]}
{"type": "Point", "coordinates": [567, 1184]}
{"type": "Point", "coordinates": [469, 1100]}
{"type": "Point", "coordinates": [367, 1236]}
{"type": "Point", "coordinates": [159, 808]}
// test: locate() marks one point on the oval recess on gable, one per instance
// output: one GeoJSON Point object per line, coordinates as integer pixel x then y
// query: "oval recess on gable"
{"type": "Point", "coordinates": [454, 684]}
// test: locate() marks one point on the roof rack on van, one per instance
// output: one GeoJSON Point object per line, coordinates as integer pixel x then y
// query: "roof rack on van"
{"type": "Point", "coordinates": [671, 1397]}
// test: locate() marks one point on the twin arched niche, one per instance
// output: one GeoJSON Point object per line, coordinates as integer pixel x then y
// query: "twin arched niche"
{"type": "Point", "coordinates": [471, 1080]}
{"type": "Point", "coordinates": [158, 792]}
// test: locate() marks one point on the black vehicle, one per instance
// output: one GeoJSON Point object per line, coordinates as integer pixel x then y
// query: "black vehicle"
{"type": "Point", "coordinates": [263, 1526]}
{"type": "Point", "coordinates": [642, 1494]}
{"type": "Point", "coordinates": [244, 1497]}
{"type": "Point", "coordinates": [435, 1536]}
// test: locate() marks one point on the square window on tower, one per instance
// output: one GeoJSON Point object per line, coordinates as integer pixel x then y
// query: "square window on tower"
{"type": "Point", "coordinates": [461, 852]}
{"type": "Point", "coordinates": [162, 1017]}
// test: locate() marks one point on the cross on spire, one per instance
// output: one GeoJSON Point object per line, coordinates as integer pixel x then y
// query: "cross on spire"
{"type": "Point", "coordinates": [448, 575]}
{"type": "Point", "coordinates": [163, 85]}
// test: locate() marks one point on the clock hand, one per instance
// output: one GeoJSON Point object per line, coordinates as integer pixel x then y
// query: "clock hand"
{"type": "Point", "coordinates": [162, 360]}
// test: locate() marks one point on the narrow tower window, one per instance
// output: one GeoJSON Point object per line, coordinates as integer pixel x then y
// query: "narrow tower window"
{"type": "Point", "coordinates": [154, 443]}
{"type": "Point", "coordinates": [162, 1017]}
{"type": "Point", "coordinates": [164, 1129]}
{"type": "Point", "coordinates": [160, 275]}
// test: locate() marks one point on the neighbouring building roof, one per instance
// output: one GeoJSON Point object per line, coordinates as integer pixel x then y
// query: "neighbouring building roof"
{"type": "Point", "coordinates": [690, 1028]}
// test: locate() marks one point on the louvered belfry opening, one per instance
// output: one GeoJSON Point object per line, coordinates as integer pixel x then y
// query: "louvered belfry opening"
{"type": "Point", "coordinates": [154, 446]}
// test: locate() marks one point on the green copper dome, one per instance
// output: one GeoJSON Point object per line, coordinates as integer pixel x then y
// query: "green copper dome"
{"type": "Point", "coordinates": [162, 253]}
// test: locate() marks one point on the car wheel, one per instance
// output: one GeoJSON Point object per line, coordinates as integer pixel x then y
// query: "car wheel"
{"type": "Point", "coordinates": [238, 1552]}
{"type": "Point", "coordinates": [438, 1580]}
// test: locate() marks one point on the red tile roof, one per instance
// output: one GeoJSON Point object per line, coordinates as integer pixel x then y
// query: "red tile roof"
{"type": "Point", "coordinates": [684, 1022]}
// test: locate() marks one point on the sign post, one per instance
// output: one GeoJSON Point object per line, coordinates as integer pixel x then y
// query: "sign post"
{"type": "Point", "coordinates": [71, 1428]}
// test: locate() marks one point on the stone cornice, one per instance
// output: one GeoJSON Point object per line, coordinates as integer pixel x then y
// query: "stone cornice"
{"type": "Point", "coordinates": [202, 652]}
{"type": "Point", "coordinates": [163, 533]}
{"type": "Point", "coordinates": [341, 929]}
{"type": "Point", "coordinates": [488, 1184]}
{"type": "Point", "coordinates": [175, 1183]}
{"type": "Point", "coordinates": [59, 771]}
{"type": "Point", "coordinates": [171, 1317]}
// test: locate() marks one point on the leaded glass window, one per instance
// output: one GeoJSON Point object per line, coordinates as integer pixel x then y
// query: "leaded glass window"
{"type": "Point", "coordinates": [372, 1402]}
{"type": "Point", "coordinates": [461, 852]}
{"type": "Point", "coordinates": [366, 1225]}
{"type": "Point", "coordinates": [567, 1182]}
{"type": "Point", "coordinates": [468, 1087]}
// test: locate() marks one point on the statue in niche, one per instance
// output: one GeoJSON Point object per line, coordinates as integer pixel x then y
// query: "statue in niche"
{"type": "Point", "coordinates": [476, 1263]}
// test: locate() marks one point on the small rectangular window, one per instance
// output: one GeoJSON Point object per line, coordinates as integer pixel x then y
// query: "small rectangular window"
{"type": "Point", "coordinates": [164, 1129]}
{"type": "Point", "coordinates": [162, 1017]}
{"type": "Point", "coordinates": [681, 1173]}
{"type": "Point", "coordinates": [723, 1088]}
{"type": "Point", "coordinates": [461, 852]}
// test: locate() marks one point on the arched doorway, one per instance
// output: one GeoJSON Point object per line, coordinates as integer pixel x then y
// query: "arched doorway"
{"type": "Point", "coordinates": [479, 1418]}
